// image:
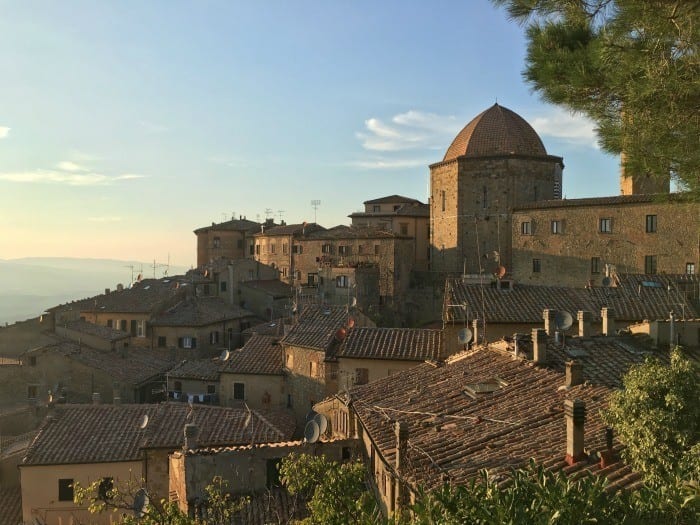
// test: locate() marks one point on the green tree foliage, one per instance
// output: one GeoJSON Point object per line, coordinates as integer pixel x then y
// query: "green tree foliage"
{"type": "Point", "coordinates": [657, 416]}
{"type": "Point", "coordinates": [535, 496]}
{"type": "Point", "coordinates": [220, 505]}
{"type": "Point", "coordinates": [632, 66]}
{"type": "Point", "coordinates": [336, 494]}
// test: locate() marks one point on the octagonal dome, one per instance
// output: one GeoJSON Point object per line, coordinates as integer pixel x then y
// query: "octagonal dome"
{"type": "Point", "coordinates": [496, 131]}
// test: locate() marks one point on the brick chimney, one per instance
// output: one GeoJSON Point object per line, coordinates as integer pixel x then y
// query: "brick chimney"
{"type": "Point", "coordinates": [608, 315]}
{"type": "Point", "coordinates": [584, 323]}
{"type": "Point", "coordinates": [574, 373]}
{"type": "Point", "coordinates": [575, 414]}
{"type": "Point", "coordinates": [607, 456]}
{"type": "Point", "coordinates": [400, 494]}
{"type": "Point", "coordinates": [539, 346]}
{"type": "Point", "coordinates": [96, 398]}
{"type": "Point", "coordinates": [548, 316]}
{"type": "Point", "coordinates": [191, 435]}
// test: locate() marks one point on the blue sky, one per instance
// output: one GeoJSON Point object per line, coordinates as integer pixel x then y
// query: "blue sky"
{"type": "Point", "coordinates": [126, 125]}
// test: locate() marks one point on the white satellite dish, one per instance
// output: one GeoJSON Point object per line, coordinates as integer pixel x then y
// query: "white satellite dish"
{"type": "Point", "coordinates": [310, 415]}
{"type": "Point", "coordinates": [322, 423]}
{"type": "Point", "coordinates": [225, 354]}
{"type": "Point", "coordinates": [464, 336]}
{"type": "Point", "coordinates": [312, 432]}
{"type": "Point", "coordinates": [144, 421]}
{"type": "Point", "coordinates": [354, 302]}
{"type": "Point", "coordinates": [141, 501]}
{"type": "Point", "coordinates": [563, 320]}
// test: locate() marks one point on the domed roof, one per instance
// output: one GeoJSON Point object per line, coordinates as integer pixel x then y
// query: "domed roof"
{"type": "Point", "coordinates": [496, 131]}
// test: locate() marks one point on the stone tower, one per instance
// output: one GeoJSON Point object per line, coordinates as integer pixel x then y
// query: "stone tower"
{"type": "Point", "coordinates": [642, 183]}
{"type": "Point", "coordinates": [496, 162]}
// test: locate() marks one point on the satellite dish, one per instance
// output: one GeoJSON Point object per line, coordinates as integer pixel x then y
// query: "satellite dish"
{"type": "Point", "coordinates": [563, 320]}
{"type": "Point", "coordinates": [144, 421]}
{"type": "Point", "coordinates": [310, 415]}
{"type": "Point", "coordinates": [354, 302]}
{"type": "Point", "coordinates": [464, 336]}
{"type": "Point", "coordinates": [312, 432]}
{"type": "Point", "coordinates": [500, 271]}
{"type": "Point", "coordinates": [225, 354]}
{"type": "Point", "coordinates": [206, 273]}
{"type": "Point", "coordinates": [322, 423]}
{"type": "Point", "coordinates": [340, 334]}
{"type": "Point", "coordinates": [141, 501]}
{"type": "Point", "coordinates": [607, 281]}
{"type": "Point", "coordinates": [351, 322]}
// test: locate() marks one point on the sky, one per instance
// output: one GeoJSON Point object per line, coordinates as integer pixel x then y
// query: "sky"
{"type": "Point", "coordinates": [126, 125]}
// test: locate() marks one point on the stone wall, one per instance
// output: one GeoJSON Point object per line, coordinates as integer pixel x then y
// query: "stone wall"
{"type": "Point", "coordinates": [261, 391]}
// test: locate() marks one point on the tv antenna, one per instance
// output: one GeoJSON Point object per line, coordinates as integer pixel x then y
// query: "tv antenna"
{"type": "Point", "coordinates": [315, 204]}
{"type": "Point", "coordinates": [268, 213]}
{"type": "Point", "coordinates": [279, 214]}
{"type": "Point", "coordinates": [132, 266]}
{"type": "Point", "coordinates": [160, 265]}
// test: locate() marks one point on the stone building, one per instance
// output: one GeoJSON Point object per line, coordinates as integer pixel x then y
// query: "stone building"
{"type": "Point", "coordinates": [576, 241]}
{"type": "Point", "coordinates": [495, 163]}
{"type": "Point", "coordinates": [280, 246]}
{"type": "Point", "coordinates": [226, 240]}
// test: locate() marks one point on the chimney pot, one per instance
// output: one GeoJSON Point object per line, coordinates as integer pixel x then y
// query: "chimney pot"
{"type": "Point", "coordinates": [575, 414]}
{"type": "Point", "coordinates": [475, 332]}
{"type": "Point", "coordinates": [548, 316]}
{"type": "Point", "coordinates": [608, 315]}
{"type": "Point", "coordinates": [191, 432]}
{"type": "Point", "coordinates": [539, 346]}
{"type": "Point", "coordinates": [584, 323]}
{"type": "Point", "coordinates": [96, 398]}
{"type": "Point", "coordinates": [574, 373]}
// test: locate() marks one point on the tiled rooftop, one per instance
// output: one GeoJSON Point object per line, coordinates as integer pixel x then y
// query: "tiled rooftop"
{"type": "Point", "coordinates": [410, 344]}
{"type": "Point", "coordinates": [496, 131]}
{"type": "Point", "coordinates": [199, 369]}
{"type": "Point", "coordinates": [416, 209]}
{"type": "Point", "coordinates": [393, 199]}
{"type": "Point", "coordinates": [200, 311]}
{"type": "Point", "coordinates": [103, 332]}
{"type": "Point", "coordinates": [262, 354]}
{"type": "Point", "coordinates": [316, 327]}
{"type": "Point", "coordinates": [274, 287]}
{"type": "Point", "coordinates": [525, 303]}
{"type": "Point", "coordinates": [452, 435]}
{"type": "Point", "coordinates": [275, 327]}
{"type": "Point", "coordinates": [234, 225]}
{"type": "Point", "coordinates": [353, 232]}
{"type": "Point", "coordinates": [292, 229]}
{"type": "Point", "coordinates": [138, 366]}
{"type": "Point", "coordinates": [603, 201]}
{"type": "Point", "coordinates": [10, 506]}
{"type": "Point", "coordinates": [143, 297]}
{"type": "Point", "coordinates": [107, 433]}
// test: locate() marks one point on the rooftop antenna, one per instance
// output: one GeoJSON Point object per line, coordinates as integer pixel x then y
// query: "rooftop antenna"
{"type": "Point", "coordinates": [268, 213]}
{"type": "Point", "coordinates": [315, 204]}
{"type": "Point", "coordinates": [279, 214]}
{"type": "Point", "coordinates": [132, 271]}
{"type": "Point", "coordinates": [160, 265]}
{"type": "Point", "coordinates": [223, 217]}
{"type": "Point", "coordinates": [233, 215]}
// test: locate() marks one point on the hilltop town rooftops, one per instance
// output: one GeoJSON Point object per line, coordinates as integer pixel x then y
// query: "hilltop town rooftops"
{"type": "Point", "coordinates": [199, 369]}
{"type": "Point", "coordinates": [274, 327]}
{"type": "Point", "coordinates": [416, 209]}
{"type": "Point", "coordinates": [525, 303]}
{"type": "Point", "coordinates": [410, 344]}
{"type": "Point", "coordinates": [200, 311]}
{"type": "Point", "coordinates": [111, 433]}
{"type": "Point", "coordinates": [262, 354]}
{"type": "Point", "coordinates": [494, 411]}
{"type": "Point", "coordinates": [103, 332]}
{"type": "Point", "coordinates": [316, 327]}
{"type": "Point", "coordinates": [10, 506]}
{"type": "Point", "coordinates": [291, 229]}
{"type": "Point", "coordinates": [393, 199]}
{"type": "Point", "coordinates": [354, 232]}
{"type": "Point", "coordinates": [638, 198]}
{"type": "Point", "coordinates": [232, 225]}
{"type": "Point", "coordinates": [274, 287]}
{"type": "Point", "coordinates": [133, 368]}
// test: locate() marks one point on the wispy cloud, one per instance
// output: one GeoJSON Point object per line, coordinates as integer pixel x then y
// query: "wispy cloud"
{"type": "Point", "coordinates": [129, 176]}
{"type": "Point", "coordinates": [389, 164]}
{"type": "Point", "coordinates": [104, 219]}
{"type": "Point", "coordinates": [413, 129]}
{"type": "Point", "coordinates": [67, 165]}
{"type": "Point", "coordinates": [562, 125]}
{"type": "Point", "coordinates": [63, 177]}
{"type": "Point", "coordinates": [4, 132]}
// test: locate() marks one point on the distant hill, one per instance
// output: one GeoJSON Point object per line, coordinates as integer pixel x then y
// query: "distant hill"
{"type": "Point", "coordinates": [30, 285]}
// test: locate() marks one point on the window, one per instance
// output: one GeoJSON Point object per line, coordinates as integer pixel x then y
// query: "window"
{"type": "Point", "coordinates": [239, 244]}
{"type": "Point", "coordinates": [484, 200]}
{"type": "Point", "coordinates": [651, 223]}
{"type": "Point", "coordinates": [257, 249]}
{"type": "Point", "coordinates": [341, 281]}
{"type": "Point", "coordinates": [239, 391]}
{"type": "Point", "coordinates": [297, 248]}
{"type": "Point", "coordinates": [211, 389]}
{"type": "Point", "coordinates": [443, 197]}
{"type": "Point", "coordinates": [32, 391]}
{"type": "Point", "coordinates": [376, 208]}
{"type": "Point", "coordinates": [690, 268]}
{"type": "Point", "coordinates": [272, 247]}
{"type": "Point", "coordinates": [222, 286]}
{"type": "Point", "coordinates": [251, 249]}
{"type": "Point", "coordinates": [650, 264]}
{"type": "Point", "coordinates": [536, 266]}
{"type": "Point", "coordinates": [141, 328]}
{"type": "Point", "coordinates": [285, 271]}
{"type": "Point", "coordinates": [161, 341]}
{"type": "Point", "coordinates": [285, 248]}
{"type": "Point", "coordinates": [32, 360]}
{"type": "Point", "coordinates": [606, 225]}
{"type": "Point", "coordinates": [376, 249]}
{"type": "Point", "coordinates": [177, 386]}
{"type": "Point", "coordinates": [65, 489]}
{"type": "Point", "coordinates": [526, 228]}
{"type": "Point", "coordinates": [217, 242]}
{"type": "Point", "coordinates": [396, 207]}
{"type": "Point", "coordinates": [104, 489]}
{"type": "Point", "coordinates": [290, 360]}
{"type": "Point", "coordinates": [556, 227]}
{"type": "Point", "coordinates": [313, 369]}
{"type": "Point", "coordinates": [213, 337]}
{"type": "Point", "coordinates": [289, 401]}
{"type": "Point", "coordinates": [110, 323]}
{"type": "Point", "coordinates": [187, 342]}
{"type": "Point", "coordinates": [595, 264]}
{"type": "Point", "coordinates": [297, 275]}
{"type": "Point", "coordinates": [344, 250]}
{"type": "Point", "coordinates": [361, 376]}
{"type": "Point", "coordinates": [311, 279]}
{"type": "Point", "coordinates": [122, 325]}
{"type": "Point", "coordinates": [326, 248]}
{"type": "Point", "coordinates": [403, 228]}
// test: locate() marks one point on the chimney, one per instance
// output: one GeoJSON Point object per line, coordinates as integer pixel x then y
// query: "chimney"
{"type": "Point", "coordinates": [608, 315]}
{"type": "Point", "coordinates": [539, 346]}
{"type": "Point", "coordinates": [96, 398]}
{"type": "Point", "coordinates": [548, 316]}
{"type": "Point", "coordinates": [607, 456]}
{"type": "Point", "coordinates": [191, 435]}
{"type": "Point", "coordinates": [584, 323]}
{"type": "Point", "coordinates": [574, 373]}
{"type": "Point", "coordinates": [401, 432]}
{"type": "Point", "coordinates": [475, 331]}
{"type": "Point", "coordinates": [575, 414]}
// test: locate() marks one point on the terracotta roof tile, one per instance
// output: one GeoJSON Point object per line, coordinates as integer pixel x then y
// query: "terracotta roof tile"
{"type": "Point", "coordinates": [354, 232]}
{"type": "Point", "coordinates": [410, 344]}
{"type": "Point", "coordinates": [199, 369]}
{"type": "Point", "coordinates": [233, 225]}
{"type": "Point", "coordinates": [262, 354]}
{"type": "Point", "coordinates": [316, 327]}
{"type": "Point", "coordinates": [274, 327]}
{"type": "Point", "coordinates": [143, 297]}
{"type": "Point", "coordinates": [272, 286]}
{"type": "Point", "coordinates": [110, 433]}
{"type": "Point", "coordinates": [393, 199]}
{"type": "Point", "coordinates": [406, 210]}
{"type": "Point", "coordinates": [291, 229]}
{"type": "Point", "coordinates": [10, 506]}
{"type": "Point", "coordinates": [200, 311]}
{"type": "Point", "coordinates": [603, 201]}
{"type": "Point", "coordinates": [273, 506]}
{"type": "Point", "coordinates": [525, 303]}
{"type": "Point", "coordinates": [103, 332]}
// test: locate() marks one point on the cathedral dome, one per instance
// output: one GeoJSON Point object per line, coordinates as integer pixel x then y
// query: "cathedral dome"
{"type": "Point", "coordinates": [496, 131]}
